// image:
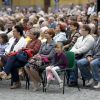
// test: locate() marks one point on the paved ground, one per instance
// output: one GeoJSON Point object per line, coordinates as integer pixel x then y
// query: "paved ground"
{"type": "Point", "coordinates": [52, 94]}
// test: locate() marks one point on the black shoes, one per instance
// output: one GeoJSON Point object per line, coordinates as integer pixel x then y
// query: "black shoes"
{"type": "Point", "coordinates": [72, 84]}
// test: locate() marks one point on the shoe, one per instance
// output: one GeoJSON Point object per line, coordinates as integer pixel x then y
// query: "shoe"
{"type": "Point", "coordinates": [8, 77]}
{"type": "Point", "coordinates": [61, 85]}
{"type": "Point", "coordinates": [16, 85]}
{"type": "Point", "coordinates": [36, 89]}
{"type": "Point", "coordinates": [3, 75]}
{"type": "Point", "coordinates": [72, 84]}
{"type": "Point", "coordinates": [97, 86]}
{"type": "Point", "coordinates": [89, 82]}
{"type": "Point", "coordinates": [36, 86]}
{"type": "Point", "coordinates": [47, 86]}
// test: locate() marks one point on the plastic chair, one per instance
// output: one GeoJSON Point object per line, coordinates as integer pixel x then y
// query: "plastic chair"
{"type": "Point", "coordinates": [71, 65]}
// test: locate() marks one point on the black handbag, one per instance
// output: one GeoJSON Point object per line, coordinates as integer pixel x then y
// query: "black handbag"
{"type": "Point", "coordinates": [79, 56]}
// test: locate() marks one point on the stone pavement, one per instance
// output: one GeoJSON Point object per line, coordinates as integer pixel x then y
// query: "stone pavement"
{"type": "Point", "coordinates": [53, 93]}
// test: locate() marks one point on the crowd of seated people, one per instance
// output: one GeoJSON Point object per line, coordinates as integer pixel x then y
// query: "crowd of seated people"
{"type": "Point", "coordinates": [27, 39]}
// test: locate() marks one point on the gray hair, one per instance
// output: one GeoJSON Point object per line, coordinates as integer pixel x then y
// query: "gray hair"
{"type": "Point", "coordinates": [35, 31]}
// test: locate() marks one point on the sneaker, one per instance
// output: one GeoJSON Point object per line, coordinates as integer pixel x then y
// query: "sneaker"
{"type": "Point", "coordinates": [61, 85]}
{"type": "Point", "coordinates": [97, 86]}
{"type": "Point", "coordinates": [72, 84]}
{"type": "Point", "coordinates": [35, 89]}
{"type": "Point", "coordinates": [90, 82]}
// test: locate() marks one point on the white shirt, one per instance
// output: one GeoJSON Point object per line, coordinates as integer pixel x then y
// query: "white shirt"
{"type": "Point", "coordinates": [90, 10]}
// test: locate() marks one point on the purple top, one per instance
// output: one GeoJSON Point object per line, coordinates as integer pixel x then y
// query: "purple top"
{"type": "Point", "coordinates": [60, 60]}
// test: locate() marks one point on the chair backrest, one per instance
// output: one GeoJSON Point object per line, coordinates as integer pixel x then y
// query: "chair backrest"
{"type": "Point", "coordinates": [71, 59]}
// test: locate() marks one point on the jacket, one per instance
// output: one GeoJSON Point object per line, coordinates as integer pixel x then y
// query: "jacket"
{"type": "Point", "coordinates": [60, 37]}
{"type": "Point", "coordinates": [20, 44]}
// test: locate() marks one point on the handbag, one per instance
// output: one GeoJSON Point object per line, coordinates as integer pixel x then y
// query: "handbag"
{"type": "Point", "coordinates": [45, 59]}
{"type": "Point", "coordinates": [79, 56]}
{"type": "Point", "coordinates": [22, 56]}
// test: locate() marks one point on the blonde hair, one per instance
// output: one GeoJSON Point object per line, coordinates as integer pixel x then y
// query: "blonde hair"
{"type": "Point", "coordinates": [59, 44]}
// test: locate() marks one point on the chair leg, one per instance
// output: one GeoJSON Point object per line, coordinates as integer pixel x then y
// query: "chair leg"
{"type": "Point", "coordinates": [27, 83]}
{"type": "Point", "coordinates": [67, 76]}
{"type": "Point", "coordinates": [27, 80]}
{"type": "Point", "coordinates": [45, 82]}
{"type": "Point", "coordinates": [11, 81]}
{"type": "Point", "coordinates": [83, 81]}
{"type": "Point", "coordinates": [77, 82]}
{"type": "Point", "coordinates": [64, 82]}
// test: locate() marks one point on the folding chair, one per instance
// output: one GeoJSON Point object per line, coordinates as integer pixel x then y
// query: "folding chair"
{"type": "Point", "coordinates": [41, 74]}
{"type": "Point", "coordinates": [71, 66]}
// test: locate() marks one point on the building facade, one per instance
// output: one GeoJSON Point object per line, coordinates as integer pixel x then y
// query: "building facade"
{"type": "Point", "coordinates": [39, 2]}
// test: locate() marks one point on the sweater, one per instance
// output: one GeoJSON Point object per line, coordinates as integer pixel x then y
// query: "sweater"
{"type": "Point", "coordinates": [60, 60]}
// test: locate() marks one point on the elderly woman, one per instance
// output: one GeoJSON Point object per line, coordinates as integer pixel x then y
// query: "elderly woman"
{"type": "Point", "coordinates": [14, 63]}
{"type": "Point", "coordinates": [46, 51]}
